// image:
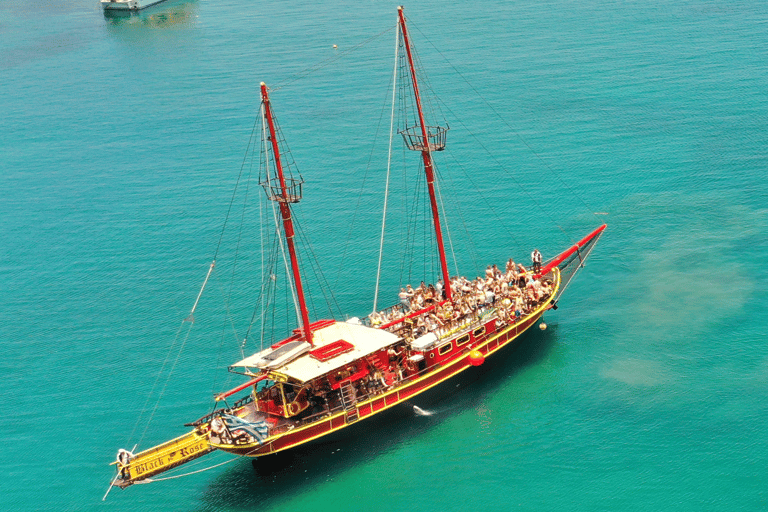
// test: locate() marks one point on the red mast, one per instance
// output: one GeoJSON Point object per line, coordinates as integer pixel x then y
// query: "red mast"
{"type": "Point", "coordinates": [283, 196]}
{"type": "Point", "coordinates": [427, 157]}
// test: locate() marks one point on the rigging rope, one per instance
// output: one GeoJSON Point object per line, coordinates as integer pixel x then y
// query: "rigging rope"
{"type": "Point", "coordinates": [324, 287]}
{"type": "Point", "coordinates": [389, 167]}
{"type": "Point", "coordinates": [445, 222]}
{"type": "Point", "coordinates": [162, 392]}
{"type": "Point", "coordinates": [173, 477]}
{"type": "Point", "coordinates": [503, 120]}
{"type": "Point", "coordinates": [190, 317]}
{"type": "Point", "coordinates": [154, 385]}
{"type": "Point", "coordinates": [291, 284]}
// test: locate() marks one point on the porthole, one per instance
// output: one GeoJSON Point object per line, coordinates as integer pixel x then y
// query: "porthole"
{"type": "Point", "coordinates": [444, 349]}
{"type": "Point", "coordinates": [462, 340]}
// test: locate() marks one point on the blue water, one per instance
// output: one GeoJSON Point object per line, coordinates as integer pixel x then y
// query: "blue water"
{"type": "Point", "coordinates": [121, 140]}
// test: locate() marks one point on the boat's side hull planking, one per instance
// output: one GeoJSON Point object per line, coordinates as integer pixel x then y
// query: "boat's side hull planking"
{"type": "Point", "coordinates": [293, 438]}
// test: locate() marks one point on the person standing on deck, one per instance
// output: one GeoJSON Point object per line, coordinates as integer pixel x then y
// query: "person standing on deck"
{"type": "Point", "coordinates": [536, 260]}
{"type": "Point", "coordinates": [405, 300]}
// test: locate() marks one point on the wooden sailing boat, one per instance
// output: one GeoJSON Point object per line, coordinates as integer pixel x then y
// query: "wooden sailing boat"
{"type": "Point", "coordinates": [330, 374]}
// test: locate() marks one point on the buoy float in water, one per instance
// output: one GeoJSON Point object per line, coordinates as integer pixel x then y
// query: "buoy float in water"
{"type": "Point", "coordinates": [476, 358]}
{"type": "Point", "coordinates": [335, 46]}
{"type": "Point", "coordinates": [543, 326]}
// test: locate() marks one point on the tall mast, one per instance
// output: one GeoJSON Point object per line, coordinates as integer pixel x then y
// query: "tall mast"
{"type": "Point", "coordinates": [286, 193]}
{"type": "Point", "coordinates": [426, 154]}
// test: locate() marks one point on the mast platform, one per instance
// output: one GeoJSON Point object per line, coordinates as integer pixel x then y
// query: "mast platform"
{"type": "Point", "coordinates": [414, 138]}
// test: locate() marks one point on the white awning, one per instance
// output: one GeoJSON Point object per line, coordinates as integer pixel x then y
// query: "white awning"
{"type": "Point", "coordinates": [275, 358]}
{"type": "Point", "coordinates": [303, 367]}
{"type": "Point", "coordinates": [424, 342]}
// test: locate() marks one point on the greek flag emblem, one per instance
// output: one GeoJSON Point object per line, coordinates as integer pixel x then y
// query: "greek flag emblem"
{"type": "Point", "coordinates": [259, 430]}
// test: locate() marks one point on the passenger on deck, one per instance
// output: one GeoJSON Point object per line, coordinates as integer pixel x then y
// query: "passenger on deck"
{"type": "Point", "coordinates": [219, 430]}
{"type": "Point", "coordinates": [378, 380]}
{"type": "Point", "coordinates": [376, 319]}
{"type": "Point", "coordinates": [536, 260]}
{"type": "Point", "coordinates": [530, 293]}
{"type": "Point", "coordinates": [521, 281]}
{"type": "Point", "coordinates": [124, 457]}
{"type": "Point", "coordinates": [430, 296]}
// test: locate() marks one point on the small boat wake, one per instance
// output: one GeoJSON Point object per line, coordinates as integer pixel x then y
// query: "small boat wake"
{"type": "Point", "coordinates": [421, 412]}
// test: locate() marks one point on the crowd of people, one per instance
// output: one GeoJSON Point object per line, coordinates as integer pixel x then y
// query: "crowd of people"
{"type": "Point", "coordinates": [512, 292]}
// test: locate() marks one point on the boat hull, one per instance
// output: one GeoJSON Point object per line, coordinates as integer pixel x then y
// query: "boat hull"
{"type": "Point", "coordinates": [388, 400]}
{"type": "Point", "coordinates": [126, 5]}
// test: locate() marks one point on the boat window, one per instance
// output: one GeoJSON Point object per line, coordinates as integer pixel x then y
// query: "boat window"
{"type": "Point", "coordinates": [444, 349]}
{"type": "Point", "coordinates": [462, 340]}
{"type": "Point", "coordinates": [479, 331]}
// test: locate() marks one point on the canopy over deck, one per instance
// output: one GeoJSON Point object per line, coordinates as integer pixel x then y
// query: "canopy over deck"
{"type": "Point", "coordinates": [304, 368]}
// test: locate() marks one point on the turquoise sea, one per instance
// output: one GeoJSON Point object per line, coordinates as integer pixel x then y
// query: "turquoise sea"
{"type": "Point", "coordinates": [121, 140]}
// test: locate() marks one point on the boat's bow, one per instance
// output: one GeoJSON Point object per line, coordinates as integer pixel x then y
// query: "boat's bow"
{"type": "Point", "coordinates": [571, 260]}
{"type": "Point", "coordinates": [137, 468]}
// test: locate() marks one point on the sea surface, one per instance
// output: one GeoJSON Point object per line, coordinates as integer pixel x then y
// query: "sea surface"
{"type": "Point", "coordinates": [121, 142]}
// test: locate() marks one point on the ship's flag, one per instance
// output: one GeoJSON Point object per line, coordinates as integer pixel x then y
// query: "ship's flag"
{"type": "Point", "coordinates": [258, 430]}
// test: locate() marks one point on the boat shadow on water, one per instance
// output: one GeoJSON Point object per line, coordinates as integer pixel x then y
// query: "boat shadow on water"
{"type": "Point", "coordinates": [258, 482]}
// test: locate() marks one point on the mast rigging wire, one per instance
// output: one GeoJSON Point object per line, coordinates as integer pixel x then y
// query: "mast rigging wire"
{"type": "Point", "coordinates": [389, 167]}
{"type": "Point", "coordinates": [503, 120]}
